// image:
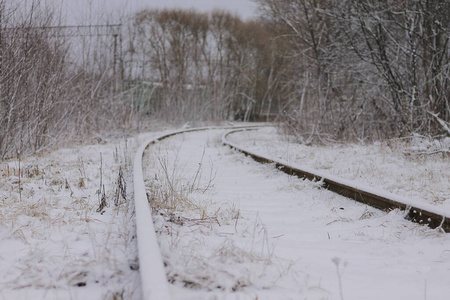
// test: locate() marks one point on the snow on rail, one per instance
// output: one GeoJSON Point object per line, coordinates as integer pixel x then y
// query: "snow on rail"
{"type": "Point", "coordinates": [153, 276]}
{"type": "Point", "coordinates": [151, 267]}
{"type": "Point", "coordinates": [415, 210]}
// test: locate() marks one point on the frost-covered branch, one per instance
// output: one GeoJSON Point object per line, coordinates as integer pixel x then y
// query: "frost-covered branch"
{"type": "Point", "coordinates": [445, 126]}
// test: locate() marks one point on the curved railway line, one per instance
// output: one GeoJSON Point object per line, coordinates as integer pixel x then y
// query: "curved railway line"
{"type": "Point", "coordinates": [151, 267]}
{"type": "Point", "coordinates": [154, 281]}
{"type": "Point", "coordinates": [385, 202]}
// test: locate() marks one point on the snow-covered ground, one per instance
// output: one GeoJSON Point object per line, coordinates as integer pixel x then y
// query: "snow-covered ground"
{"type": "Point", "coordinates": [56, 242]}
{"type": "Point", "coordinates": [400, 167]}
{"type": "Point", "coordinates": [230, 228]}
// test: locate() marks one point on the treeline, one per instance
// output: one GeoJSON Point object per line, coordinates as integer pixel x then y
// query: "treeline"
{"type": "Point", "coordinates": [203, 66]}
{"type": "Point", "coordinates": [326, 69]}
{"type": "Point", "coordinates": [364, 68]}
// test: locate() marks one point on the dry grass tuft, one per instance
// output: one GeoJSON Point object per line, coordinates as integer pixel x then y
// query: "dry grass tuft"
{"type": "Point", "coordinates": [195, 232]}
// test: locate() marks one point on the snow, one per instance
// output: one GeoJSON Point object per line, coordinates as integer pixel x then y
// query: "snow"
{"type": "Point", "coordinates": [54, 244]}
{"type": "Point", "coordinates": [323, 176]}
{"type": "Point", "coordinates": [227, 227]}
{"type": "Point", "coordinates": [382, 168]}
{"type": "Point", "coordinates": [278, 237]}
{"type": "Point", "coordinates": [153, 277]}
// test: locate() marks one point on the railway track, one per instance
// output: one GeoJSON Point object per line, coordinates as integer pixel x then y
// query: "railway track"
{"type": "Point", "coordinates": [154, 280]}
{"type": "Point", "coordinates": [381, 200]}
{"type": "Point", "coordinates": [151, 267]}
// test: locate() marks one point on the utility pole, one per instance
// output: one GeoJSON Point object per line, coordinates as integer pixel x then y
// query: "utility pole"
{"type": "Point", "coordinates": [115, 54]}
{"type": "Point", "coordinates": [2, 11]}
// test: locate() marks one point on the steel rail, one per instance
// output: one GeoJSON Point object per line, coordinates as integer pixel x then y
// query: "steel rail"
{"type": "Point", "coordinates": [151, 267]}
{"type": "Point", "coordinates": [422, 214]}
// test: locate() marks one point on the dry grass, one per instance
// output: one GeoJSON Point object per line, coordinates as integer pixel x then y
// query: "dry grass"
{"type": "Point", "coordinates": [62, 242]}
{"type": "Point", "coordinates": [205, 245]}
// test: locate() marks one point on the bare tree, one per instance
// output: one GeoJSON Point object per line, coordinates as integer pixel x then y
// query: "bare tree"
{"type": "Point", "coordinates": [46, 96]}
{"type": "Point", "coordinates": [202, 66]}
{"type": "Point", "coordinates": [407, 43]}
{"type": "Point", "coordinates": [363, 69]}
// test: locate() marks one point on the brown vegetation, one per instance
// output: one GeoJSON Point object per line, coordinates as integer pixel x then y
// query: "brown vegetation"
{"type": "Point", "coordinates": [328, 69]}
{"type": "Point", "coordinates": [202, 66]}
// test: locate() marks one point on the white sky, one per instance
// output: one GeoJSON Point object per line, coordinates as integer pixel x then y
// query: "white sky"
{"type": "Point", "coordinates": [87, 11]}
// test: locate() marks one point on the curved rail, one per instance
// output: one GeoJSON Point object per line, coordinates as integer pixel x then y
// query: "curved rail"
{"type": "Point", "coordinates": [419, 213]}
{"type": "Point", "coordinates": [151, 267]}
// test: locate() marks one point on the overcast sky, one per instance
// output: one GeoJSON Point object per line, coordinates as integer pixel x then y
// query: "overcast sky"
{"type": "Point", "coordinates": [87, 11]}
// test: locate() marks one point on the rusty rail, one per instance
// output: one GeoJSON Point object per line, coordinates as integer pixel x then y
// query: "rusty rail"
{"type": "Point", "coordinates": [384, 201]}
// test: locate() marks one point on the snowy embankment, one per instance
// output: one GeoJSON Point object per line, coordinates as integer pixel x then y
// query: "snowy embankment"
{"type": "Point", "coordinates": [67, 228]}
{"type": "Point", "coordinates": [230, 228]}
{"type": "Point", "coordinates": [415, 210]}
{"type": "Point", "coordinates": [401, 168]}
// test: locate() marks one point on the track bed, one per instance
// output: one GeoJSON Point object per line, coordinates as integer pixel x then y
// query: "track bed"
{"type": "Point", "coordinates": [249, 231]}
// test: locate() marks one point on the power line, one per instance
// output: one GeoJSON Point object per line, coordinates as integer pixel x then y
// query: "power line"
{"type": "Point", "coordinates": [111, 30]}
{"type": "Point", "coordinates": [70, 31]}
